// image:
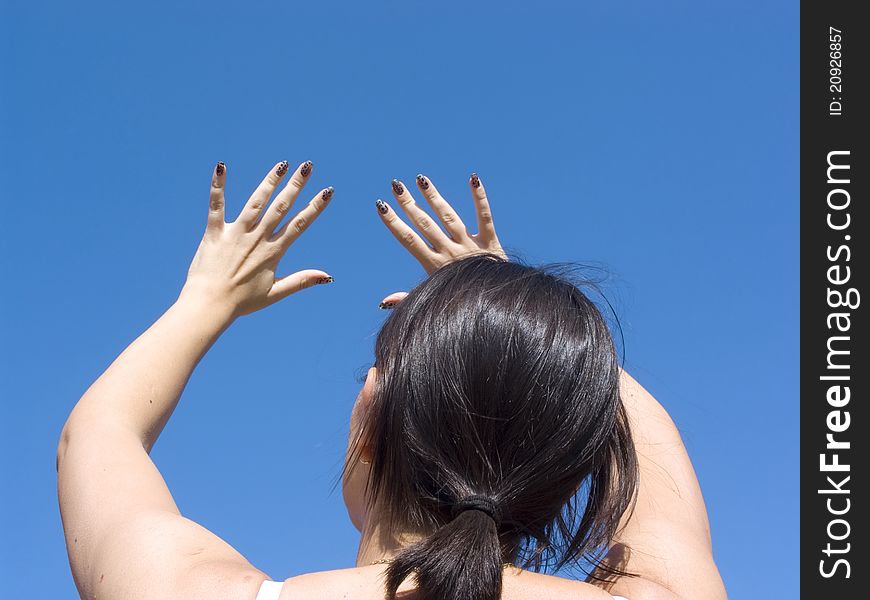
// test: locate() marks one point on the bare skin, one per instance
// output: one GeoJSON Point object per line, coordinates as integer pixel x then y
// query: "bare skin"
{"type": "Point", "coordinates": [125, 535]}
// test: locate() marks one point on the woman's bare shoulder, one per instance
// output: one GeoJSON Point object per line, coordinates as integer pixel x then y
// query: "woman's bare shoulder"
{"type": "Point", "coordinates": [366, 583]}
{"type": "Point", "coordinates": [361, 583]}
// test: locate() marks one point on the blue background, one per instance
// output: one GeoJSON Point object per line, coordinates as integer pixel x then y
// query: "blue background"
{"type": "Point", "coordinates": [660, 140]}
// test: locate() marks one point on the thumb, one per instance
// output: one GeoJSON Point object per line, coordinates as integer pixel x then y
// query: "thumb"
{"type": "Point", "coordinates": [290, 284]}
{"type": "Point", "coordinates": [392, 300]}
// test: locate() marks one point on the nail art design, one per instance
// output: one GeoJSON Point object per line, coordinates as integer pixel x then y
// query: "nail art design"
{"type": "Point", "coordinates": [422, 182]}
{"type": "Point", "coordinates": [382, 206]}
{"type": "Point", "coordinates": [306, 168]}
{"type": "Point", "coordinates": [398, 188]}
{"type": "Point", "coordinates": [327, 194]}
{"type": "Point", "coordinates": [475, 180]}
{"type": "Point", "coordinates": [282, 168]}
{"type": "Point", "coordinates": [387, 305]}
{"type": "Point", "coordinates": [323, 280]}
{"type": "Point", "coordinates": [220, 168]}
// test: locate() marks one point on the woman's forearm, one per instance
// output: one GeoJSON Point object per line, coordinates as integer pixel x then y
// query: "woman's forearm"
{"type": "Point", "coordinates": [141, 388]}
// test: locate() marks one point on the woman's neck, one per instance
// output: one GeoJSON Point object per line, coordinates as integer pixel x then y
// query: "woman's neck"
{"type": "Point", "coordinates": [379, 543]}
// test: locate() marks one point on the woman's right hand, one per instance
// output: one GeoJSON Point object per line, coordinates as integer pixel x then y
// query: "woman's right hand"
{"type": "Point", "coordinates": [235, 264]}
{"type": "Point", "coordinates": [440, 247]}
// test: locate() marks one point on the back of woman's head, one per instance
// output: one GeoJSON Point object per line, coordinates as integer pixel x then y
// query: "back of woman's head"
{"type": "Point", "coordinates": [496, 423]}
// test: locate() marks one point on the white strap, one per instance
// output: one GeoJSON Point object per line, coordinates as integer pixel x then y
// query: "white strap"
{"type": "Point", "coordinates": [620, 598]}
{"type": "Point", "coordinates": [270, 590]}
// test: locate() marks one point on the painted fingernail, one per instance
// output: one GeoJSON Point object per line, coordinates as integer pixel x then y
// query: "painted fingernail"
{"type": "Point", "coordinates": [323, 280]}
{"type": "Point", "coordinates": [387, 304]}
{"type": "Point", "coordinates": [220, 168]}
{"type": "Point", "coordinates": [306, 168]}
{"type": "Point", "coordinates": [382, 206]}
{"type": "Point", "coordinates": [282, 168]}
{"type": "Point", "coordinates": [475, 180]}
{"type": "Point", "coordinates": [398, 188]}
{"type": "Point", "coordinates": [327, 194]}
{"type": "Point", "coordinates": [422, 182]}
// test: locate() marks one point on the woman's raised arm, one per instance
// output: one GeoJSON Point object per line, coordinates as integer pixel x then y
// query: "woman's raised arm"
{"type": "Point", "coordinates": [124, 534]}
{"type": "Point", "coordinates": [666, 539]}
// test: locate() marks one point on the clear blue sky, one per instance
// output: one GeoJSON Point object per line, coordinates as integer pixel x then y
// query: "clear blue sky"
{"type": "Point", "coordinates": [658, 139]}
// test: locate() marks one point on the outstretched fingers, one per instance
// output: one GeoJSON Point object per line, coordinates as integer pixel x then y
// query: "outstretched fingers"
{"type": "Point", "coordinates": [258, 200]}
{"type": "Point", "coordinates": [485, 226]}
{"type": "Point", "coordinates": [392, 300]}
{"type": "Point", "coordinates": [412, 242]}
{"type": "Point", "coordinates": [285, 199]}
{"type": "Point", "coordinates": [419, 217]}
{"type": "Point", "coordinates": [216, 198]}
{"type": "Point", "coordinates": [305, 217]}
{"type": "Point", "coordinates": [452, 223]}
{"type": "Point", "coordinates": [290, 284]}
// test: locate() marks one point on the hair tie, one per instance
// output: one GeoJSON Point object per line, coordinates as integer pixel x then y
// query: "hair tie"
{"type": "Point", "coordinates": [484, 504]}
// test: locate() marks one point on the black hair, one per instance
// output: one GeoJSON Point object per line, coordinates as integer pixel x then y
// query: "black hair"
{"type": "Point", "coordinates": [496, 428]}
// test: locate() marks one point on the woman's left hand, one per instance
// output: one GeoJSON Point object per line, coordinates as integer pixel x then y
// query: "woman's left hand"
{"type": "Point", "coordinates": [438, 247]}
{"type": "Point", "coordinates": [235, 263]}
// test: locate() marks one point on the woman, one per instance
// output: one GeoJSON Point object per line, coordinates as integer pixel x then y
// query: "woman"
{"type": "Point", "coordinates": [494, 429]}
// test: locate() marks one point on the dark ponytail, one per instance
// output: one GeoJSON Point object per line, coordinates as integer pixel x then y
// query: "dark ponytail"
{"type": "Point", "coordinates": [462, 560]}
{"type": "Point", "coordinates": [496, 429]}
